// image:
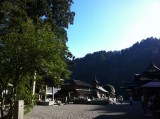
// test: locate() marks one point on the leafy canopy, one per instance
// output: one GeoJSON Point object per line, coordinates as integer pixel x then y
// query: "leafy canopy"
{"type": "Point", "coordinates": [29, 43]}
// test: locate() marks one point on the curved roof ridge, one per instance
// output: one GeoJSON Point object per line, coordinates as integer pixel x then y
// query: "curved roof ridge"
{"type": "Point", "coordinates": [152, 66]}
{"type": "Point", "coordinates": [156, 67]}
{"type": "Point", "coordinates": [79, 82]}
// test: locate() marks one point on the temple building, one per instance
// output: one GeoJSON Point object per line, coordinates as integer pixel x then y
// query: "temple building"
{"type": "Point", "coordinates": [78, 89]}
{"type": "Point", "coordinates": [73, 89]}
{"type": "Point", "coordinates": [97, 90]}
{"type": "Point", "coordinates": [149, 87]}
{"type": "Point", "coordinates": [151, 74]}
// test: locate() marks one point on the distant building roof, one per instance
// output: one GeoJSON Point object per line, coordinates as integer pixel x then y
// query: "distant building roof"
{"type": "Point", "coordinates": [77, 82]}
{"type": "Point", "coordinates": [84, 92]}
{"type": "Point", "coordinates": [81, 83]}
{"type": "Point", "coordinates": [149, 74]}
{"type": "Point", "coordinates": [136, 74]}
{"type": "Point", "coordinates": [95, 81]}
{"type": "Point", "coordinates": [102, 89]}
{"type": "Point", "coordinates": [154, 84]}
{"type": "Point", "coordinates": [152, 68]}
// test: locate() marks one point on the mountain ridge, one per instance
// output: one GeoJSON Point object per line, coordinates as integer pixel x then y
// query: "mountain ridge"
{"type": "Point", "coordinates": [116, 67]}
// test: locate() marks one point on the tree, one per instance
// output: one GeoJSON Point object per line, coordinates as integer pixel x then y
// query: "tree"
{"type": "Point", "coordinates": [110, 88]}
{"type": "Point", "coordinates": [29, 43]}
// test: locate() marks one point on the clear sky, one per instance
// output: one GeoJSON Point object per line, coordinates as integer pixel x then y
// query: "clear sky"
{"type": "Point", "coordinates": [112, 24]}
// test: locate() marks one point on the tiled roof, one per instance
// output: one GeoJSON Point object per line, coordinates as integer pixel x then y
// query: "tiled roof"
{"type": "Point", "coordinates": [151, 71]}
{"type": "Point", "coordinates": [152, 68]}
{"type": "Point", "coordinates": [81, 83]}
{"type": "Point", "coordinates": [153, 84]}
{"type": "Point", "coordinates": [84, 92]}
{"type": "Point", "coordinates": [102, 89]}
{"type": "Point", "coordinates": [77, 82]}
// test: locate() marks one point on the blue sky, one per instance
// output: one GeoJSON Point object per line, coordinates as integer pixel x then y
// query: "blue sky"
{"type": "Point", "coordinates": [112, 24]}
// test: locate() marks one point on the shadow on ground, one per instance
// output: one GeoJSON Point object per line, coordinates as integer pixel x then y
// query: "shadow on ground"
{"type": "Point", "coordinates": [121, 111]}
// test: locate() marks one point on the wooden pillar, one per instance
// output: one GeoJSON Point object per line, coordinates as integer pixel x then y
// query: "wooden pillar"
{"type": "Point", "coordinates": [52, 93]}
{"type": "Point", "coordinates": [46, 94]}
{"type": "Point", "coordinates": [69, 94]}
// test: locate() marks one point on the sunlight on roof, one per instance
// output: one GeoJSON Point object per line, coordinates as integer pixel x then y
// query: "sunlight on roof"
{"type": "Point", "coordinates": [118, 113]}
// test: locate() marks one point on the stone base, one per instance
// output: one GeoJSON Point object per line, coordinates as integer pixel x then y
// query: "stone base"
{"type": "Point", "coordinates": [45, 103]}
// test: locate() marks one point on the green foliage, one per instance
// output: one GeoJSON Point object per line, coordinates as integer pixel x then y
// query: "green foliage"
{"type": "Point", "coordinates": [24, 91]}
{"type": "Point", "coordinates": [110, 88]}
{"type": "Point", "coordinates": [30, 44]}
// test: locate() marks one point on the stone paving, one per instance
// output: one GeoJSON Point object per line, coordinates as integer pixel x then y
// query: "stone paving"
{"type": "Point", "coordinates": [81, 111]}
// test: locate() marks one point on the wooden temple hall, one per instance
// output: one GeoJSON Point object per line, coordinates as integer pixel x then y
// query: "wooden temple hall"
{"type": "Point", "coordinates": [76, 89]}
{"type": "Point", "coordinates": [146, 87]}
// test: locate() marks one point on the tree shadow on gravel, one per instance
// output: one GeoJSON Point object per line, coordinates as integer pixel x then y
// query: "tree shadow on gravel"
{"type": "Point", "coordinates": [124, 111]}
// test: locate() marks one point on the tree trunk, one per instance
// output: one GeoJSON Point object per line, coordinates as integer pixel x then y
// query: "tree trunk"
{"type": "Point", "coordinates": [3, 94]}
{"type": "Point", "coordinates": [34, 84]}
{"type": "Point", "coordinates": [10, 113]}
{"type": "Point", "coordinates": [2, 106]}
{"type": "Point", "coordinates": [12, 100]}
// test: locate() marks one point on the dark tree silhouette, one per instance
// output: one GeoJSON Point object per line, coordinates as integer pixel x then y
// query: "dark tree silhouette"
{"type": "Point", "coordinates": [117, 66]}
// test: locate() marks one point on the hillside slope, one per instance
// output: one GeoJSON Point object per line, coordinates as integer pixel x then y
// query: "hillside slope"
{"type": "Point", "coordinates": [114, 67]}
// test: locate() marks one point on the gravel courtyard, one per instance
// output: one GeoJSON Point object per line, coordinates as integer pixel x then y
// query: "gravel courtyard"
{"type": "Point", "coordinates": [77, 111]}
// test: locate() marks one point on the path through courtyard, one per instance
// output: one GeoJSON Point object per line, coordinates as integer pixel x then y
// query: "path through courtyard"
{"type": "Point", "coordinates": [77, 111]}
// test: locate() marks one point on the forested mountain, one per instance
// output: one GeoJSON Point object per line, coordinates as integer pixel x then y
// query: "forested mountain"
{"type": "Point", "coordinates": [114, 67]}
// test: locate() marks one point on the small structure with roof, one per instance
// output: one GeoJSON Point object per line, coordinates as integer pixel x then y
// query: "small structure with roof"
{"type": "Point", "coordinates": [76, 89]}
{"type": "Point", "coordinates": [152, 73]}
{"type": "Point", "coordinates": [46, 94]}
{"type": "Point", "coordinates": [147, 85]}
{"type": "Point", "coordinates": [97, 90]}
